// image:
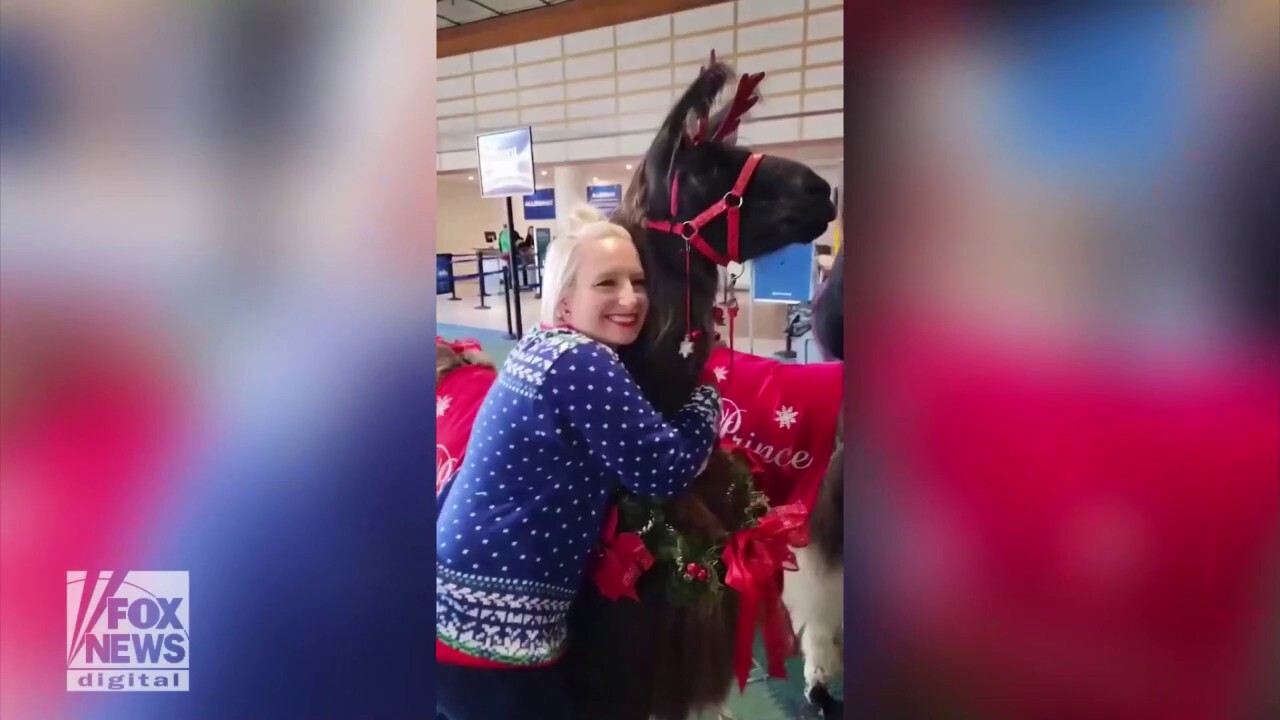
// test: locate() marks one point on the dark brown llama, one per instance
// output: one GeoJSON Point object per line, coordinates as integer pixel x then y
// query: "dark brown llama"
{"type": "Point", "coordinates": [653, 659]}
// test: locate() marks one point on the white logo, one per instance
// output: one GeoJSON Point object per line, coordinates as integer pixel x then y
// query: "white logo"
{"type": "Point", "coordinates": [730, 417]}
{"type": "Point", "coordinates": [786, 458]}
{"type": "Point", "coordinates": [446, 466]}
{"type": "Point", "coordinates": [127, 631]}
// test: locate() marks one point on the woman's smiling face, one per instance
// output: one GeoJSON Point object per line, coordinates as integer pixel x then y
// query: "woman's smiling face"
{"type": "Point", "coordinates": [607, 300]}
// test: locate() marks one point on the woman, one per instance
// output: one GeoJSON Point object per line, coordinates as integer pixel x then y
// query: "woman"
{"type": "Point", "coordinates": [561, 428]}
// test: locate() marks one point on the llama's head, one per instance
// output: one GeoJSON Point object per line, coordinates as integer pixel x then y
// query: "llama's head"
{"type": "Point", "coordinates": [697, 187]}
{"type": "Point", "coordinates": [694, 173]}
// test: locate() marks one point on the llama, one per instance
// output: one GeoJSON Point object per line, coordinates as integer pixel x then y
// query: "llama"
{"type": "Point", "coordinates": [789, 418]}
{"type": "Point", "coordinates": [653, 658]}
{"type": "Point", "coordinates": [814, 593]}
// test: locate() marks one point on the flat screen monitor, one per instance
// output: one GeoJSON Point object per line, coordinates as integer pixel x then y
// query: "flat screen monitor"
{"type": "Point", "coordinates": [506, 162]}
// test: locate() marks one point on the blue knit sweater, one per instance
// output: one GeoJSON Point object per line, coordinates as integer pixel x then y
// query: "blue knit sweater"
{"type": "Point", "coordinates": [563, 425]}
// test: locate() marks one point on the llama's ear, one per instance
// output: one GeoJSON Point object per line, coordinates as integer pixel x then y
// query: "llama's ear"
{"type": "Point", "coordinates": [695, 128]}
{"type": "Point", "coordinates": [689, 115]}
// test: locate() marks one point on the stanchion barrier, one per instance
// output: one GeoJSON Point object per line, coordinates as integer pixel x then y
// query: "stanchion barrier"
{"type": "Point", "coordinates": [799, 321]}
{"type": "Point", "coordinates": [446, 279]}
{"type": "Point", "coordinates": [454, 277]}
{"type": "Point", "coordinates": [508, 277]}
{"type": "Point", "coordinates": [480, 280]}
{"type": "Point", "coordinates": [537, 263]}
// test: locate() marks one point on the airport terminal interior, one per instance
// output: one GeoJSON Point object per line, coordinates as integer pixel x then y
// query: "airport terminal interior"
{"type": "Point", "coordinates": [591, 102]}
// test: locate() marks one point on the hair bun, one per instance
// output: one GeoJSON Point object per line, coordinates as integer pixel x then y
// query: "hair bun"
{"type": "Point", "coordinates": [582, 216]}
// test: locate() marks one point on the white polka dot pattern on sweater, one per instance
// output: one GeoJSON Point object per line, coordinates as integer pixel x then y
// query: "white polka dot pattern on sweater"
{"type": "Point", "coordinates": [562, 426]}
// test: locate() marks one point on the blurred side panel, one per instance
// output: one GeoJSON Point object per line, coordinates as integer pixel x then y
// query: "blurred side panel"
{"type": "Point", "coordinates": [216, 319]}
{"type": "Point", "coordinates": [1062, 329]}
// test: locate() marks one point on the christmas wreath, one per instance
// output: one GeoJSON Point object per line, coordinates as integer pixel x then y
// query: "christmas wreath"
{"type": "Point", "coordinates": [695, 570]}
{"type": "Point", "coordinates": [747, 559]}
{"type": "Point", "coordinates": [639, 537]}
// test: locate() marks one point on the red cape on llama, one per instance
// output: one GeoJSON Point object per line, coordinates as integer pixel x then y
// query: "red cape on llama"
{"type": "Point", "coordinates": [458, 399]}
{"type": "Point", "coordinates": [783, 414]}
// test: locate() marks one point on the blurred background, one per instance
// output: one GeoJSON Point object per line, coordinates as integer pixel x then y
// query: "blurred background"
{"type": "Point", "coordinates": [217, 222]}
{"type": "Point", "coordinates": [1063, 317]}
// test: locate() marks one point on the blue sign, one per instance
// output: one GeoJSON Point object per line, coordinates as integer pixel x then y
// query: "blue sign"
{"type": "Point", "coordinates": [444, 273]}
{"type": "Point", "coordinates": [784, 275]}
{"type": "Point", "coordinates": [604, 198]}
{"type": "Point", "coordinates": [540, 205]}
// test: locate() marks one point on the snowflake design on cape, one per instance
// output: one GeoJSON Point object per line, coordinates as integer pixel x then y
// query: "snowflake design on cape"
{"type": "Point", "coordinates": [442, 405]}
{"type": "Point", "coordinates": [786, 416]}
{"type": "Point", "coordinates": [721, 373]}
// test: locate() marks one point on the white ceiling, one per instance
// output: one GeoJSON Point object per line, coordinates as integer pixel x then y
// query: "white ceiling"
{"type": "Point", "coordinates": [815, 155]}
{"type": "Point", "coordinates": [603, 93]}
{"type": "Point", "coordinates": [452, 13]}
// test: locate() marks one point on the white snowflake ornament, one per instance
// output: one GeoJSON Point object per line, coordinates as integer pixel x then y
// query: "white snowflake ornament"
{"type": "Point", "coordinates": [686, 347]}
{"type": "Point", "coordinates": [786, 416]}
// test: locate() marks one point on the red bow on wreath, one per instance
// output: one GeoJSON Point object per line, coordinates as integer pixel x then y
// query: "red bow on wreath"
{"type": "Point", "coordinates": [754, 559]}
{"type": "Point", "coordinates": [620, 561]}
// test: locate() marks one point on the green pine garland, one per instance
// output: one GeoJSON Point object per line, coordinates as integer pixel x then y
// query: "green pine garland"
{"type": "Point", "coordinates": [694, 571]}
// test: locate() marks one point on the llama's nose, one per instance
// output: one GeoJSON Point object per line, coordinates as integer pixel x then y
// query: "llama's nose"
{"type": "Point", "coordinates": [815, 185]}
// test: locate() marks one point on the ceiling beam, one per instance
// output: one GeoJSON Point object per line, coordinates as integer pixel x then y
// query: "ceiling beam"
{"type": "Point", "coordinates": [560, 19]}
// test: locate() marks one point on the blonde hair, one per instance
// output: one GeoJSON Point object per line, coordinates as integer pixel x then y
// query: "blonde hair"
{"type": "Point", "coordinates": [561, 268]}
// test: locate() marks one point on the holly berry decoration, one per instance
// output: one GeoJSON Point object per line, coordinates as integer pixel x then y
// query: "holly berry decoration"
{"type": "Point", "coordinates": [694, 571]}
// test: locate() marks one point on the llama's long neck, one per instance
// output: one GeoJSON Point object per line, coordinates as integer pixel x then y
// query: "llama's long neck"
{"type": "Point", "coordinates": [666, 377]}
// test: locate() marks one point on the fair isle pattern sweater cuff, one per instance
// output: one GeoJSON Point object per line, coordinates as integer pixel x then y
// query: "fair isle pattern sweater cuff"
{"type": "Point", "coordinates": [514, 622]}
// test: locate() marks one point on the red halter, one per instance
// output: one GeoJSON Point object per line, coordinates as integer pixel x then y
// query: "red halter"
{"type": "Point", "coordinates": [691, 230]}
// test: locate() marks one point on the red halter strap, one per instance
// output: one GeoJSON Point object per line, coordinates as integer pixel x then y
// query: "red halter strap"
{"type": "Point", "coordinates": [691, 230]}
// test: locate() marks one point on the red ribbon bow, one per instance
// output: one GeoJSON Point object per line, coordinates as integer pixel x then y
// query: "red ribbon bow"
{"type": "Point", "coordinates": [620, 561]}
{"type": "Point", "coordinates": [460, 346]}
{"type": "Point", "coordinates": [754, 559]}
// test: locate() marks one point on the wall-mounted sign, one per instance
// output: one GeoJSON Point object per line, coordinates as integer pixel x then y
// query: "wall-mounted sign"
{"type": "Point", "coordinates": [540, 205]}
{"type": "Point", "coordinates": [784, 275]}
{"type": "Point", "coordinates": [605, 198]}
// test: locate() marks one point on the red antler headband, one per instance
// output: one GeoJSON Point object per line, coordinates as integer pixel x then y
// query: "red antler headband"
{"type": "Point", "coordinates": [744, 98]}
